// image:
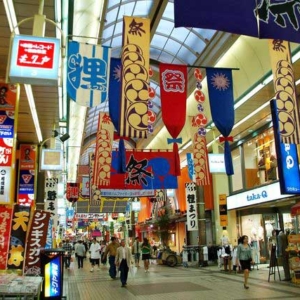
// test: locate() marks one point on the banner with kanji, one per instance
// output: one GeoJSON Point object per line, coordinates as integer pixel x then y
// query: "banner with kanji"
{"type": "Point", "coordinates": [191, 205]}
{"type": "Point", "coordinates": [5, 230]}
{"type": "Point", "coordinates": [72, 193]}
{"type": "Point", "coordinates": [144, 170]}
{"type": "Point", "coordinates": [88, 73]}
{"type": "Point", "coordinates": [36, 241]}
{"type": "Point", "coordinates": [135, 77]}
{"type": "Point", "coordinates": [9, 104]}
{"type": "Point", "coordinates": [285, 91]}
{"type": "Point", "coordinates": [104, 144]}
{"type": "Point", "coordinates": [51, 205]}
{"type": "Point", "coordinates": [173, 94]}
{"type": "Point", "coordinates": [19, 228]}
{"type": "Point", "coordinates": [275, 19]}
{"type": "Point", "coordinates": [220, 89]}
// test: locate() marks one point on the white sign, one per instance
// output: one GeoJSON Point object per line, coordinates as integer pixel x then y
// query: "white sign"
{"type": "Point", "coordinates": [191, 204]}
{"type": "Point", "coordinates": [216, 163]}
{"type": "Point", "coordinates": [127, 193]}
{"type": "Point", "coordinates": [256, 196]}
{"type": "Point", "coordinates": [89, 216]}
{"type": "Point", "coordinates": [5, 191]}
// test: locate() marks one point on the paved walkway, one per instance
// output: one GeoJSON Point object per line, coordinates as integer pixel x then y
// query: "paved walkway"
{"type": "Point", "coordinates": [163, 282]}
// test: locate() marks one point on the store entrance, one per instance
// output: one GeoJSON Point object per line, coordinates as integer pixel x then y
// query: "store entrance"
{"type": "Point", "coordinates": [270, 223]}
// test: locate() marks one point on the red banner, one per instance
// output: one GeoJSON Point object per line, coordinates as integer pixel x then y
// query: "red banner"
{"type": "Point", "coordinates": [173, 93]}
{"type": "Point", "coordinates": [36, 240]}
{"type": "Point", "coordinates": [5, 228]}
{"type": "Point", "coordinates": [72, 191]}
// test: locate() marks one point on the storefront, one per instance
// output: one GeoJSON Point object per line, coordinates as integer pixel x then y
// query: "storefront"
{"type": "Point", "coordinates": [260, 212]}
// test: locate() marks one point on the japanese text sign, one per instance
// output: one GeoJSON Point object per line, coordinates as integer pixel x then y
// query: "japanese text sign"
{"type": "Point", "coordinates": [191, 200]}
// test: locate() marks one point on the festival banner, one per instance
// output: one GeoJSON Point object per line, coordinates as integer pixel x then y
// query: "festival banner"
{"type": "Point", "coordinates": [135, 77]}
{"type": "Point", "coordinates": [144, 170]}
{"type": "Point", "coordinates": [173, 93]}
{"type": "Point", "coordinates": [20, 223]}
{"type": "Point", "coordinates": [220, 89]}
{"type": "Point", "coordinates": [104, 144]}
{"type": "Point", "coordinates": [285, 91]}
{"type": "Point", "coordinates": [36, 241]}
{"type": "Point", "coordinates": [287, 158]}
{"type": "Point", "coordinates": [5, 230]}
{"type": "Point", "coordinates": [88, 73]}
{"type": "Point", "coordinates": [200, 155]}
{"type": "Point", "coordinates": [259, 18]}
{"type": "Point", "coordinates": [51, 199]}
{"type": "Point", "coordinates": [191, 204]}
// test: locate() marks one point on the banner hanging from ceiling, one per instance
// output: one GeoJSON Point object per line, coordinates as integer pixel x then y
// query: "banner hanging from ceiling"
{"type": "Point", "coordinates": [88, 73]}
{"type": "Point", "coordinates": [261, 18]}
{"type": "Point", "coordinates": [144, 170]}
{"type": "Point", "coordinates": [104, 143]}
{"type": "Point", "coordinates": [20, 223]}
{"type": "Point", "coordinates": [135, 77]}
{"type": "Point", "coordinates": [220, 89]}
{"type": "Point", "coordinates": [36, 241]}
{"type": "Point", "coordinates": [285, 91]}
{"type": "Point", "coordinates": [173, 93]}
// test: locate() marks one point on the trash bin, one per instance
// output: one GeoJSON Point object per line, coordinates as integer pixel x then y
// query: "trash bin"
{"type": "Point", "coordinates": [52, 270]}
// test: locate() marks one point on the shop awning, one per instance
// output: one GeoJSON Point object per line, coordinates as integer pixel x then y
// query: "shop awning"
{"type": "Point", "coordinates": [295, 209]}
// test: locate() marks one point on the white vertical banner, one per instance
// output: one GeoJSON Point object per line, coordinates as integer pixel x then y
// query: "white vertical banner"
{"type": "Point", "coordinates": [191, 204]}
{"type": "Point", "coordinates": [51, 185]}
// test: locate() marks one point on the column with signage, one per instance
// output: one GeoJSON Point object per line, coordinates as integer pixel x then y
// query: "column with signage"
{"type": "Point", "coordinates": [223, 210]}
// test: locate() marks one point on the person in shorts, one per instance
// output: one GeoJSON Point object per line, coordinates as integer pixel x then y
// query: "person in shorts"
{"type": "Point", "coordinates": [146, 250]}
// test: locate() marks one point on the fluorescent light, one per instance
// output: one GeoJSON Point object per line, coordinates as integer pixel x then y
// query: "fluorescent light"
{"type": "Point", "coordinates": [34, 115]}
{"type": "Point", "coordinates": [11, 16]}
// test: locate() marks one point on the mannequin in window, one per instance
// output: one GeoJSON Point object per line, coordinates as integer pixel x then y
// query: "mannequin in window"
{"type": "Point", "coordinates": [272, 172]}
{"type": "Point", "coordinates": [282, 245]}
{"type": "Point", "coordinates": [262, 168]}
{"type": "Point", "coordinates": [255, 245]}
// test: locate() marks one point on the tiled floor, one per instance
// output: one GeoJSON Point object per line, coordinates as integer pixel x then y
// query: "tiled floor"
{"type": "Point", "coordinates": [163, 282]}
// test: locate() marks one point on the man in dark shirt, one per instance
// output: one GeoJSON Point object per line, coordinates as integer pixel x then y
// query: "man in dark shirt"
{"type": "Point", "coordinates": [68, 247]}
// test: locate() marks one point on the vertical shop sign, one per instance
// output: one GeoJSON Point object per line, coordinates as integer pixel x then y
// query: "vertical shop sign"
{"type": "Point", "coordinates": [72, 192]}
{"type": "Point", "coordinates": [9, 100]}
{"type": "Point", "coordinates": [20, 222]}
{"type": "Point", "coordinates": [223, 210]}
{"type": "Point", "coordinates": [5, 229]}
{"type": "Point", "coordinates": [51, 199]}
{"type": "Point", "coordinates": [191, 201]}
{"type": "Point", "coordinates": [36, 241]}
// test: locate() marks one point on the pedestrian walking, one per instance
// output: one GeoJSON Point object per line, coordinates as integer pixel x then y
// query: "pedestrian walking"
{"type": "Point", "coordinates": [80, 253]}
{"type": "Point", "coordinates": [146, 250]}
{"type": "Point", "coordinates": [68, 248]}
{"type": "Point", "coordinates": [95, 254]}
{"type": "Point", "coordinates": [111, 249]}
{"type": "Point", "coordinates": [244, 258]}
{"type": "Point", "coordinates": [123, 262]}
{"type": "Point", "coordinates": [136, 251]}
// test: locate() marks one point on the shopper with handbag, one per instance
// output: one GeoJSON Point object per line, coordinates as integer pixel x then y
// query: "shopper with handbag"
{"type": "Point", "coordinates": [244, 258]}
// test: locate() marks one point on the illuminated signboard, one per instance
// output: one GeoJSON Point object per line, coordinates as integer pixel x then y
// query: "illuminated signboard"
{"type": "Point", "coordinates": [34, 60]}
{"type": "Point", "coordinates": [216, 163]}
{"type": "Point", "coordinates": [52, 160]}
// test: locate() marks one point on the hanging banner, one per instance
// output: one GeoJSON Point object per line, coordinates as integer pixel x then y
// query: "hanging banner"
{"type": "Point", "coordinates": [51, 199]}
{"type": "Point", "coordinates": [191, 203]}
{"type": "Point", "coordinates": [27, 170]}
{"type": "Point", "coordinates": [20, 222]}
{"type": "Point", "coordinates": [88, 73]}
{"type": "Point", "coordinates": [173, 93]}
{"type": "Point", "coordinates": [285, 91]}
{"type": "Point", "coordinates": [5, 230]}
{"type": "Point", "coordinates": [104, 143]}
{"type": "Point", "coordinates": [144, 170]}
{"type": "Point", "coordinates": [72, 192]}
{"type": "Point", "coordinates": [49, 239]}
{"type": "Point", "coordinates": [287, 158]}
{"type": "Point", "coordinates": [135, 77]}
{"type": "Point", "coordinates": [36, 241]}
{"type": "Point", "coordinates": [259, 18]}
{"type": "Point", "coordinates": [220, 89]}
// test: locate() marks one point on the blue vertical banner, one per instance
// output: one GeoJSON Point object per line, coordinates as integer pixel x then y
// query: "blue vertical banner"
{"type": "Point", "coordinates": [88, 73]}
{"type": "Point", "coordinates": [220, 90]}
{"type": "Point", "coordinates": [287, 159]}
{"type": "Point", "coordinates": [190, 164]}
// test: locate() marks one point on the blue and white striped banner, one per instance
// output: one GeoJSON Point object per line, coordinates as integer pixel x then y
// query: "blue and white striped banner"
{"type": "Point", "coordinates": [88, 73]}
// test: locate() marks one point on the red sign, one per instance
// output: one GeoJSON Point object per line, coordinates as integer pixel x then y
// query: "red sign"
{"type": "Point", "coordinates": [5, 227]}
{"type": "Point", "coordinates": [72, 192]}
{"type": "Point", "coordinates": [35, 54]}
{"type": "Point", "coordinates": [28, 154]}
{"type": "Point", "coordinates": [6, 152]}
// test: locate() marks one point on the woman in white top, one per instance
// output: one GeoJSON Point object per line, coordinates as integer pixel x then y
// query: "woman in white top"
{"type": "Point", "coordinates": [95, 254]}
